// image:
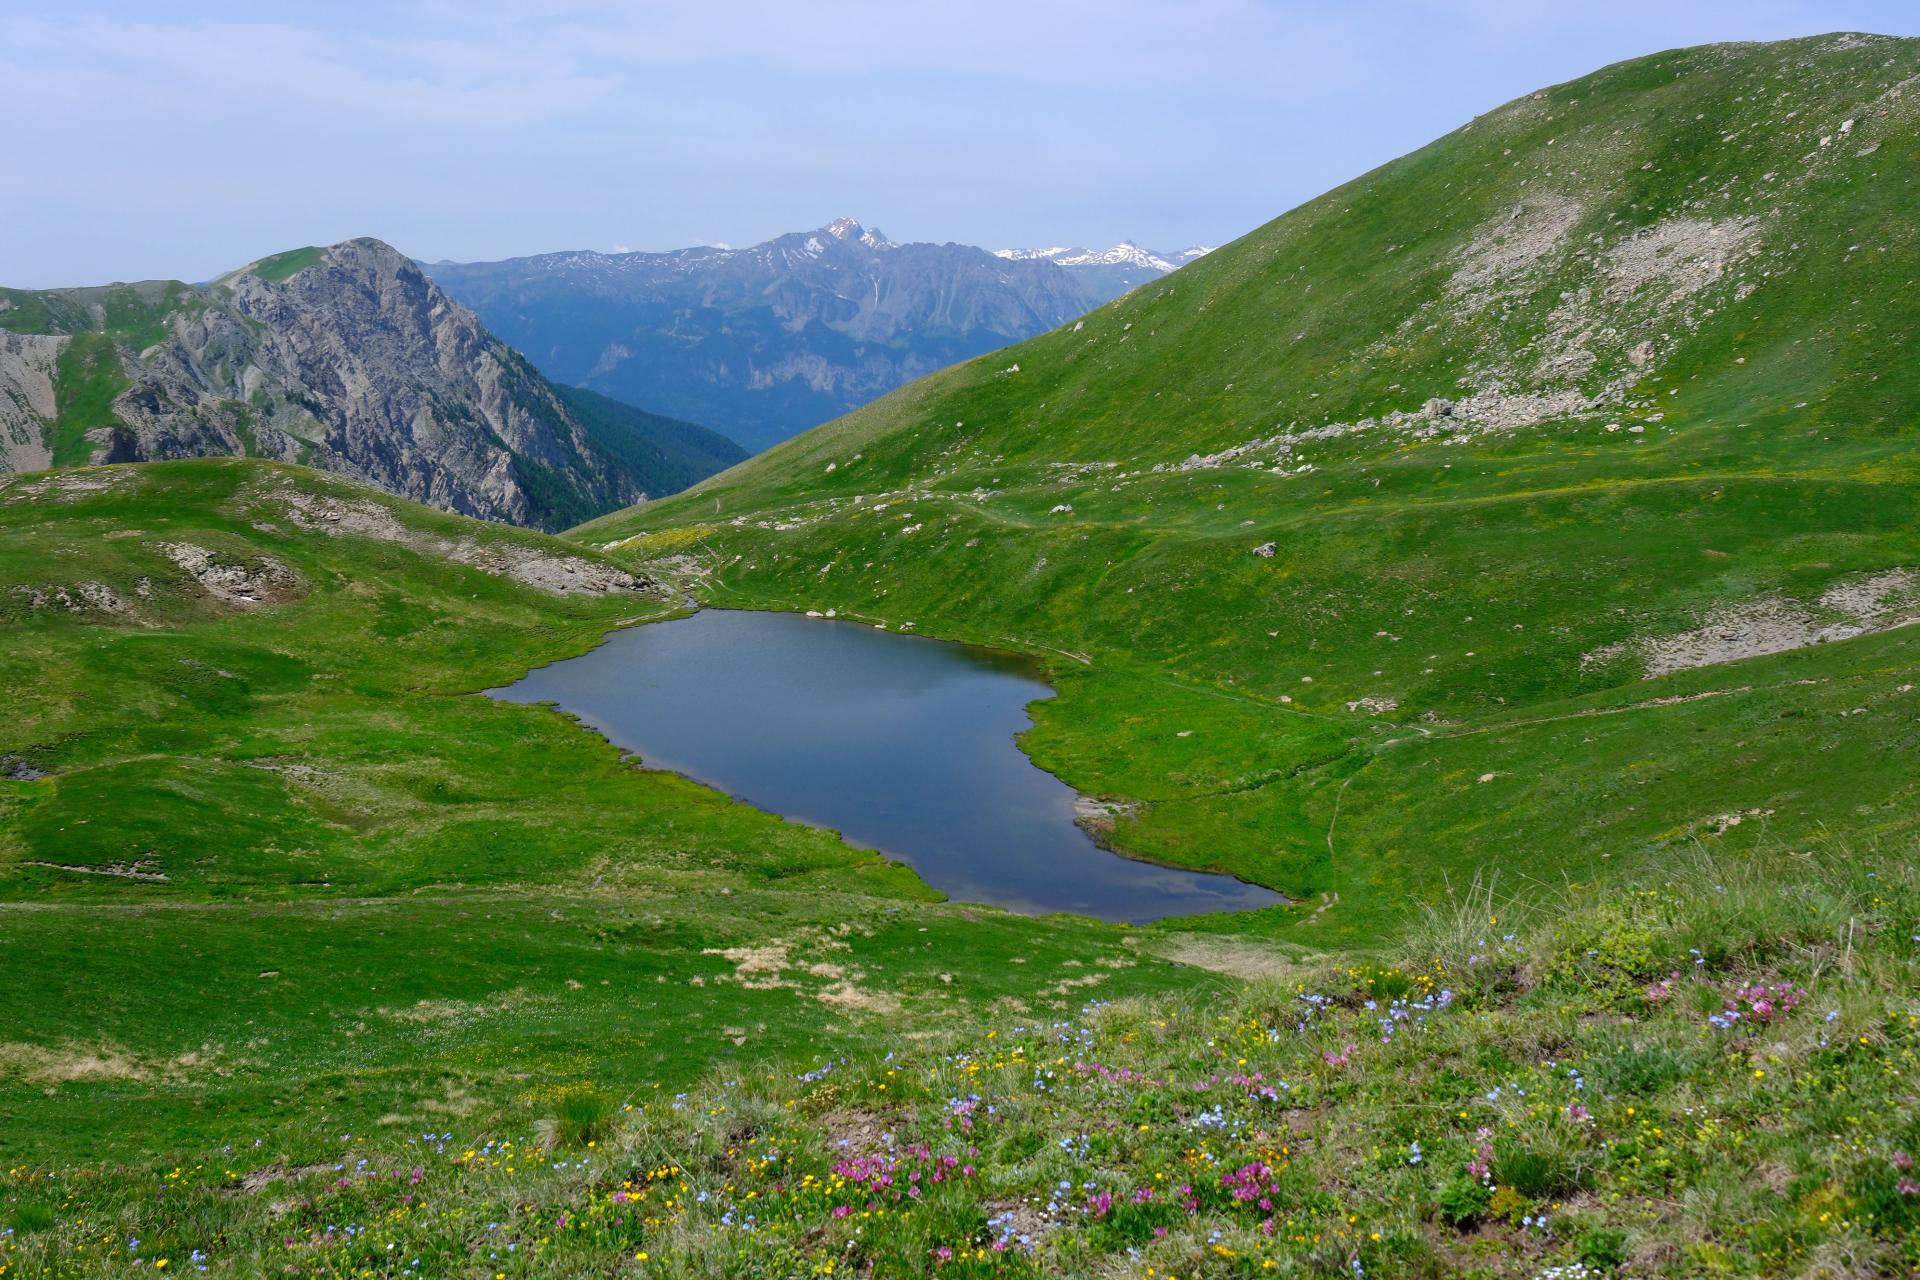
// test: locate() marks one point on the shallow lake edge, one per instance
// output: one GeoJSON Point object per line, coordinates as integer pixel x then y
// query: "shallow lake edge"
{"type": "Point", "coordinates": [1092, 814]}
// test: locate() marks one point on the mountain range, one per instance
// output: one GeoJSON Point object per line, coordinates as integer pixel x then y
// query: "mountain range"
{"type": "Point", "coordinates": [354, 359]}
{"type": "Point", "coordinates": [1108, 273]}
{"type": "Point", "coordinates": [346, 358]}
{"type": "Point", "coordinates": [763, 342]}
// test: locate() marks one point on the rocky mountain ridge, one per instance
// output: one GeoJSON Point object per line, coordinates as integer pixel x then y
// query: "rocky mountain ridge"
{"type": "Point", "coordinates": [346, 358]}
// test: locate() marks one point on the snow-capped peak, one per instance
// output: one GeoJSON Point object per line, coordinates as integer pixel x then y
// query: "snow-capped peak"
{"type": "Point", "coordinates": [1124, 254]}
{"type": "Point", "coordinates": [851, 229]}
{"type": "Point", "coordinates": [1030, 255]}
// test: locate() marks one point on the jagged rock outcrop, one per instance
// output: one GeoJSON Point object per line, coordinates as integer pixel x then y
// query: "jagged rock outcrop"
{"type": "Point", "coordinates": [347, 358]}
{"type": "Point", "coordinates": [27, 363]}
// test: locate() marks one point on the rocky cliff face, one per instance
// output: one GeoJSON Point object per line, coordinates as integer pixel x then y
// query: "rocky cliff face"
{"type": "Point", "coordinates": [348, 358]}
{"type": "Point", "coordinates": [764, 342]}
{"type": "Point", "coordinates": [27, 363]}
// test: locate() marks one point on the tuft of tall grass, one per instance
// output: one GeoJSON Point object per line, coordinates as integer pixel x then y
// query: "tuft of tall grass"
{"type": "Point", "coordinates": [29, 1218]}
{"type": "Point", "coordinates": [582, 1116]}
{"type": "Point", "coordinates": [1540, 1169]}
{"type": "Point", "coordinates": [1474, 937]}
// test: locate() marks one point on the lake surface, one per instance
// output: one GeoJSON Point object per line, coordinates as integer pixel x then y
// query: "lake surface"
{"type": "Point", "coordinates": [901, 744]}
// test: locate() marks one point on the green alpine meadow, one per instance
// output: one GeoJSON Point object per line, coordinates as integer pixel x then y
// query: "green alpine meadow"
{"type": "Point", "coordinates": [1509, 558]}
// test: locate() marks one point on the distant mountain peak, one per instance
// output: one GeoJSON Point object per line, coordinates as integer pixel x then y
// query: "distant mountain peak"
{"type": "Point", "coordinates": [347, 357]}
{"type": "Point", "coordinates": [770, 339]}
{"type": "Point", "coordinates": [853, 229]}
{"type": "Point", "coordinates": [777, 336]}
{"type": "Point", "coordinates": [1125, 254]}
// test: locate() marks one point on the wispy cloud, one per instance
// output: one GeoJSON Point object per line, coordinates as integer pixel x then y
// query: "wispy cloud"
{"type": "Point", "coordinates": [274, 70]}
{"type": "Point", "coordinates": [184, 138]}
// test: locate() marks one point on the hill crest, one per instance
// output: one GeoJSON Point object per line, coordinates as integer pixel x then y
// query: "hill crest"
{"type": "Point", "coordinates": [1596, 410]}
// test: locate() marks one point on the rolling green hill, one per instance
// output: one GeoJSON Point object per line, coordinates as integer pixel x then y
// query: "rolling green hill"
{"type": "Point", "coordinates": [281, 866]}
{"type": "Point", "coordinates": [1493, 511]}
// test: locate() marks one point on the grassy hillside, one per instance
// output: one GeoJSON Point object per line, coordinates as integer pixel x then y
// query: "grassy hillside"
{"type": "Point", "coordinates": [265, 862]}
{"type": "Point", "coordinates": [664, 455]}
{"type": "Point", "coordinates": [1426, 529]}
{"type": "Point", "coordinates": [1709, 1077]}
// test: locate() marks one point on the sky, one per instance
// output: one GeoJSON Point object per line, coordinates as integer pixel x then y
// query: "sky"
{"type": "Point", "coordinates": [183, 139]}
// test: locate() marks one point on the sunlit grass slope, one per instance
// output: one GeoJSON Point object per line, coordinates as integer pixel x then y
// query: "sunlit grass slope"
{"type": "Point", "coordinates": [266, 859]}
{"type": "Point", "coordinates": [1544, 500]}
{"type": "Point", "coordinates": [1708, 1073]}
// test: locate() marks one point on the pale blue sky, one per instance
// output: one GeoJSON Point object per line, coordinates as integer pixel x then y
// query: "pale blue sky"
{"type": "Point", "coordinates": [181, 139]}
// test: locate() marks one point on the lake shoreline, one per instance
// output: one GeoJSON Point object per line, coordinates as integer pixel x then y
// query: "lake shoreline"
{"type": "Point", "coordinates": [898, 750]}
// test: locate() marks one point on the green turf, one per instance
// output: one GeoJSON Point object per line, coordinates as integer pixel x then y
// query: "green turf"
{"type": "Point", "coordinates": [311, 791]}
{"type": "Point", "coordinates": [284, 266]}
{"type": "Point", "coordinates": [87, 378]}
{"type": "Point", "coordinates": [1701, 1074]}
{"type": "Point", "coordinates": [27, 311]}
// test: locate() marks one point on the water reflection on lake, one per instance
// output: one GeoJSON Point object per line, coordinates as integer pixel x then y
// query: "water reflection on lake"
{"type": "Point", "coordinates": [902, 744]}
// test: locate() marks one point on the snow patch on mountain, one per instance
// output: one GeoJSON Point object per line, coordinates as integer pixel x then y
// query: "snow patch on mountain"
{"type": "Point", "coordinates": [1124, 254]}
{"type": "Point", "coordinates": [851, 229]}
